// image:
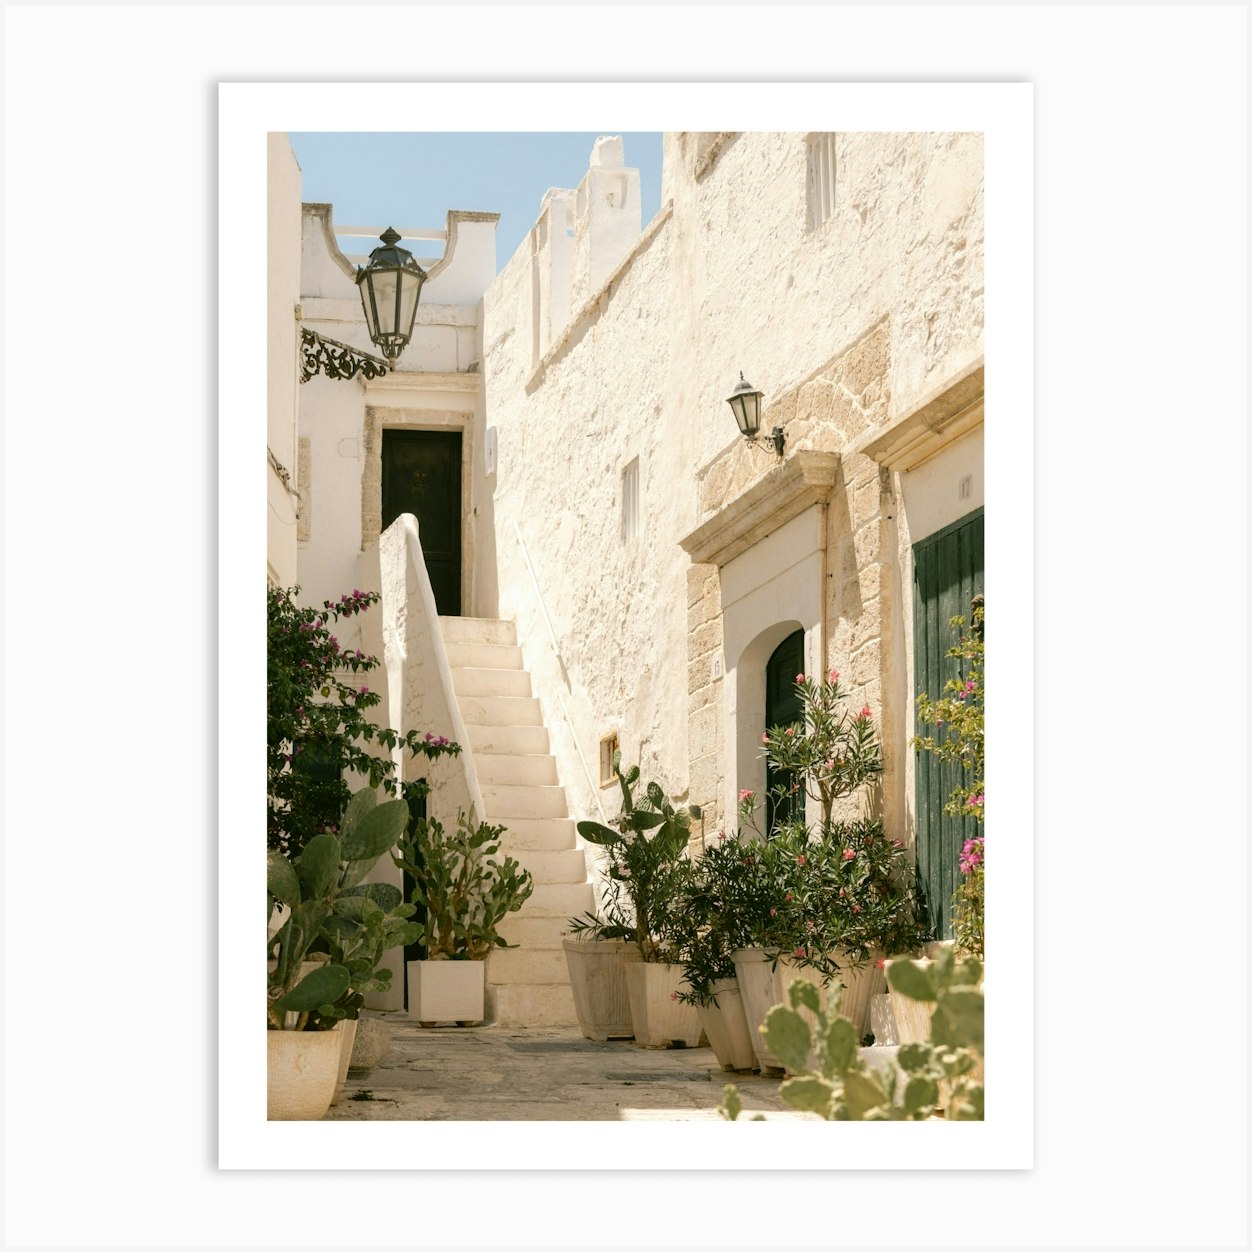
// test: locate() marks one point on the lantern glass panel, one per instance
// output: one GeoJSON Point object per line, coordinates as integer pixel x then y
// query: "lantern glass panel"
{"type": "Point", "coordinates": [410, 287]}
{"type": "Point", "coordinates": [383, 283]}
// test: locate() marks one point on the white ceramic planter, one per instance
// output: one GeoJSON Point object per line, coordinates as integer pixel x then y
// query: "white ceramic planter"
{"type": "Point", "coordinates": [447, 991]}
{"type": "Point", "coordinates": [659, 1019]}
{"type": "Point", "coordinates": [756, 987]}
{"type": "Point", "coordinates": [347, 1037]}
{"type": "Point", "coordinates": [597, 976]}
{"type": "Point", "coordinates": [303, 1068]}
{"type": "Point", "coordinates": [727, 1027]}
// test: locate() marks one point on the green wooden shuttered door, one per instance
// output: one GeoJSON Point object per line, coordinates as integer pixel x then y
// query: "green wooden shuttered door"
{"type": "Point", "coordinates": [947, 575]}
{"type": "Point", "coordinates": [783, 707]}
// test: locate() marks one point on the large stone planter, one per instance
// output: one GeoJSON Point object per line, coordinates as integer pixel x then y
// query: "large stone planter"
{"type": "Point", "coordinates": [447, 991]}
{"type": "Point", "coordinates": [764, 983]}
{"type": "Point", "coordinates": [373, 1042]}
{"type": "Point", "coordinates": [726, 1025]}
{"type": "Point", "coordinates": [303, 1069]}
{"type": "Point", "coordinates": [659, 1017]}
{"type": "Point", "coordinates": [347, 1037]}
{"type": "Point", "coordinates": [597, 976]}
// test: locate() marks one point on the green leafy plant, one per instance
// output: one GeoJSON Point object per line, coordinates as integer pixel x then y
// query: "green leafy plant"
{"type": "Point", "coordinates": [832, 1080]}
{"type": "Point", "coordinates": [831, 752]}
{"type": "Point", "coordinates": [324, 902]}
{"type": "Point", "coordinates": [960, 738]}
{"type": "Point", "coordinates": [463, 888]}
{"type": "Point", "coordinates": [708, 913]}
{"type": "Point", "coordinates": [646, 869]}
{"type": "Point", "coordinates": [317, 725]}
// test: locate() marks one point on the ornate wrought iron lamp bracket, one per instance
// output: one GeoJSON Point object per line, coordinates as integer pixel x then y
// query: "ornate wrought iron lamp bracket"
{"type": "Point", "coordinates": [319, 355]}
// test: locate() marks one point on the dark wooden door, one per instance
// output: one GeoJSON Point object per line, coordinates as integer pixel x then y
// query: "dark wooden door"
{"type": "Point", "coordinates": [947, 575]}
{"type": "Point", "coordinates": [783, 708]}
{"type": "Point", "coordinates": [422, 476]}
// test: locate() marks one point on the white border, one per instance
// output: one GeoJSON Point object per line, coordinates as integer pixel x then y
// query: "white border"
{"type": "Point", "coordinates": [1003, 113]}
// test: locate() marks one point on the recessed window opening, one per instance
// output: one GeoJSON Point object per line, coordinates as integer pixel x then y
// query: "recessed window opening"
{"type": "Point", "coordinates": [821, 178]}
{"type": "Point", "coordinates": [630, 501]}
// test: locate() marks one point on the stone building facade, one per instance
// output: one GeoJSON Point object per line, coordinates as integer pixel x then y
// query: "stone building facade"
{"type": "Point", "coordinates": [651, 562]}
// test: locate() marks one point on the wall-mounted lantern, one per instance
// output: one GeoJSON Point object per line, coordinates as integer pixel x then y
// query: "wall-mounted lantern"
{"type": "Point", "coordinates": [390, 286]}
{"type": "Point", "coordinates": [745, 403]}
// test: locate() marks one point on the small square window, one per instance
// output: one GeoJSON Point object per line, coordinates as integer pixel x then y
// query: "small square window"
{"type": "Point", "coordinates": [609, 748]}
{"type": "Point", "coordinates": [821, 177]}
{"type": "Point", "coordinates": [630, 501]}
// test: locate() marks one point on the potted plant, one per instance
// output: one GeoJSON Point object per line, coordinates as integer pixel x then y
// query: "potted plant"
{"type": "Point", "coordinates": [309, 993]}
{"type": "Point", "coordinates": [645, 869]}
{"type": "Point", "coordinates": [832, 900]}
{"type": "Point", "coordinates": [712, 931]}
{"type": "Point", "coordinates": [959, 738]}
{"type": "Point", "coordinates": [464, 893]}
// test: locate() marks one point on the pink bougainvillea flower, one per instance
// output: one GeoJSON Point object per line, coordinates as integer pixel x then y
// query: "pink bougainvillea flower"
{"type": "Point", "coordinates": [849, 855]}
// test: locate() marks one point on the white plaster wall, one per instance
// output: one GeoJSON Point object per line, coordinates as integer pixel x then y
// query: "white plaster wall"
{"type": "Point", "coordinates": [283, 336]}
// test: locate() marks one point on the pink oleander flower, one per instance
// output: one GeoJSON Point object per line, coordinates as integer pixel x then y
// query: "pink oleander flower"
{"type": "Point", "coordinates": [856, 908]}
{"type": "Point", "coordinates": [798, 952]}
{"type": "Point", "coordinates": [773, 912]}
{"type": "Point", "coordinates": [834, 675]}
{"type": "Point", "coordinates": [673, 995]}
{"type": "Point", "coordinates": [880, 964]}
{"type": "Point", "coordinates": [791, 730]}
{"type": "Point", "coordinates": [791, 895]}
{"type": "Point", "coordinates": [745, 794]}
{"type": "Point", "coordinates": [865, 715]}
{"type": "Point", "coordinates": [799, 678]}
{"type": "Point", "coordinates": [765, 739]}
{"type": "Point", "coordinates": [849, 855]}
{"type": "Point", "coordinates": [800, 860]}
{"type": "Point", "coordinates": [721, 836]}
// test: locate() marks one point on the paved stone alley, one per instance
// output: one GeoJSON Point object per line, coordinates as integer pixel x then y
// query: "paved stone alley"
{"type": "Point", "coordinates": [508, 1073]}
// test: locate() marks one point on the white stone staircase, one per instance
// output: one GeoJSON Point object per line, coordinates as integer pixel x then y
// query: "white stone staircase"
{"type": "Point", "coordinates": [527, 985]}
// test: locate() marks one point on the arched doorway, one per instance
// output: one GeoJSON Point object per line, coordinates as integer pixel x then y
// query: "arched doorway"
{"type": "Point", "coordinates": [783, 708]}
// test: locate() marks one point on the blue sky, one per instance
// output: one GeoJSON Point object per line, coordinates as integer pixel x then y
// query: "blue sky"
{"type": "Point", "coordinates": [411, 180]}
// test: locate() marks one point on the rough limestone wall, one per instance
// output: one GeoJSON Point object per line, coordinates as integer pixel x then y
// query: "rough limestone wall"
{"type": "Point", "coordinates": [564, 440]}
{"type": "Point", "coordinates": [842, 327]}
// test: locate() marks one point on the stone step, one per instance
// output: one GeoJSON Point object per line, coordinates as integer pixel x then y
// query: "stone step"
{"type": "Point", "coordinates": [508, 741]}
{"type": "Point", "coordinates": [563, 900]}
{"type": "Point", "coordinates": [528, 965]}
{"type": "Point", "coordinates": [504, 802]}
{"type": "Point", "coordinates": [484, 656]}
{"type": "Point", "coordinates": [500, 710]}
{"type": "Point", "coordinates": [543, 834]}
{"type": "Point", "coordinates": [533, 933]}
{"type": "Point", "coordinates": [550, 867]}
{"type": "Point", "coordinates": [524, 1004]}
{"type": "Point", "coordinates": [491, 682]}
{"type": "Point", "coordinates": [478, 630]}
{"type": "Point", "coordinates": [524, 771]}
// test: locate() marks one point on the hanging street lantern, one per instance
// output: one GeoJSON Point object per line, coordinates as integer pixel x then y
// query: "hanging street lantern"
{"type": "Point", "coordinates": [390, 285]}
{"type": "Point", "coordinates": [745, 403]}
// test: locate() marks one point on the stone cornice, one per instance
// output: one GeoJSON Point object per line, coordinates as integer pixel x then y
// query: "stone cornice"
{"type": "Point", "coordinates": [939, 420]}
{"type": "Point", "coordinates": [804, 479]}
{"type": "Point", "coordinates": [424, 380]}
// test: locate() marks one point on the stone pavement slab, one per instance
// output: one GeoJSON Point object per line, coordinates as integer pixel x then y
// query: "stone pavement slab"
{"type": "Point", "coordinates": [509, 1073]}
